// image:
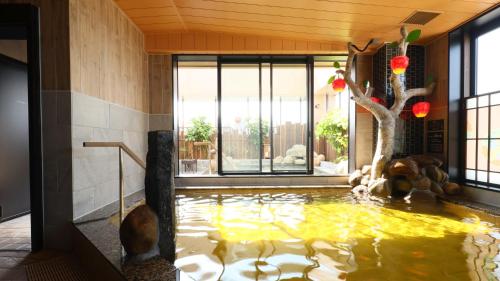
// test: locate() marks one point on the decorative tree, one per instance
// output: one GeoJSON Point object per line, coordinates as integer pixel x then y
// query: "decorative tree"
{"type": "Point", "coordinates": [386, 117]}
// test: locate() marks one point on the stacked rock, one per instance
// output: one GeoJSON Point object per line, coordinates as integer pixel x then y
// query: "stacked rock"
{"type": "Point", "coordinates": [421, 172]}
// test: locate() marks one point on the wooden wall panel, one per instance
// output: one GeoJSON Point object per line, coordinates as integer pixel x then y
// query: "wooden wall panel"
{"type": "Point", "coordinates": [160, 84]}
{"type": "Point", "coordinates": [108, 60]}
{"type": "Point", "coordinates": [213, 42]}
{"type": "Point", "coordinates": [436, 64]}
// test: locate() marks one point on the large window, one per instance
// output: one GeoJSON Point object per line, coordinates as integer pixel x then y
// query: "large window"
{"type": "Point", "coordinates": [255, 115]}
{"type": "Point", "coordinates": [482, 163]}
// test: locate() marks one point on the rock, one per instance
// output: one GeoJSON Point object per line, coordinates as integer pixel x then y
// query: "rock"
{"type": "Point", "coordinates": [160, 188]}
{"type": "Point", "coordinates": [278, 159]}
{"type": "Point", "coordinates": [423, 201]}
{"type": "Point", "coordinates": [316, 162]}
{"type": "Point", "coordinates": [452, 188]}
{"type": "Point", "coordinates": [436, 188]}
{"type": "Point", "coordinates": [402, 184]}
{"type": "Point", "coordinates": [436, 174]}
{"type": "Point", "coordinates": [355, 178]}
{"type": "Point", "coordinates": [426, 160]}
{"type": "Point", "coordinates": [360, 189]}
{"type": "Point", "coordinates": [380, 187]}
{"type": "Point", "coordinates": [299, 162]}
{"type": "Point", "coordinates": [365, 180]}
{"type": "Point", "coordinates": [421, 183]}
{"type": "Point", "coordinates": [403, 167]}
{"type": "Point", "coordinates": [288, 160]}
{"type": "Point", "coordinates": [139, 231]}
{"type": "Point", "coordinates": [366, 169]}
{"type": "Point", "coordinates": [342, 168]}
{"type": "Point", "coordinates": [297, 150]}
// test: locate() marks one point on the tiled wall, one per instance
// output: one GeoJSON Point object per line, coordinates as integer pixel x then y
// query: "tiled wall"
{"type": "Point", "coordinates": [95, 170]}
{"type": "Point", "coordinates": [410, 132]}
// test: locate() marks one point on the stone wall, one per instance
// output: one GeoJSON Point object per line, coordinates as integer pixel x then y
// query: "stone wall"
{"type": "Point", "coordinates": [95, 170]}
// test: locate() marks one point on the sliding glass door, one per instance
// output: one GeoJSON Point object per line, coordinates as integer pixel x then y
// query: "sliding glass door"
{"type": "Point", "coordinates": [263, 117]}
{"type": "Point", "coordinates": [252, 114]}
{"type": "Point", "coordinates": [289, 117]}
{"type": "Point", "coordinates": [240, 118]}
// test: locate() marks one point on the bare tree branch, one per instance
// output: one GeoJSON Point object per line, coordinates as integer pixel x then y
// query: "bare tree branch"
{"type": "Point", "coordinates": [378, 110]}
{"type": "Point", "coordinates": [420, 92]}
{"type": "Point", "coordinates": [369, 92]}
{"type": "Point", "coordinates": [398, 87]}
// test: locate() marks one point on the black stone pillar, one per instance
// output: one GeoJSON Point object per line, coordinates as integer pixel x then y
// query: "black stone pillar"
{"type": "Point", "coordinates": [160, 189]}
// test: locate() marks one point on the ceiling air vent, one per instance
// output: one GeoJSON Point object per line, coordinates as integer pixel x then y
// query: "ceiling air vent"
{"type": "Point", "coordinates": [420, 17]}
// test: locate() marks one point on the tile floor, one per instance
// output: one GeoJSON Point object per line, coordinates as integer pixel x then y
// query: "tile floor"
{"type": "Point", "coordinates": [15, 246]}
{"type": "Point", "coordinates": [15, 234]}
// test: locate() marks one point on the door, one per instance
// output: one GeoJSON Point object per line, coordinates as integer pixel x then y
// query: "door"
{"type": "Point", "coordinates": [14, 143]}
{"type": "Point", "coordinates": [263, 108]}
{"type": "Point", "coordinates": [240, 118]}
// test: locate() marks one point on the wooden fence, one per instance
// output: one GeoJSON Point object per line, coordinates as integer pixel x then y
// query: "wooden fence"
{"type": "Point", "coordinates": [237, 144]}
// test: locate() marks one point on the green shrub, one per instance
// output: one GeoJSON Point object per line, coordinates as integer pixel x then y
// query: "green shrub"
{"type": "Point", "coordinates": [200, 131]}
{"type": "Point", "coordinates": [254, 130]}
{"type": "Point", "coordinates": [334, 129]}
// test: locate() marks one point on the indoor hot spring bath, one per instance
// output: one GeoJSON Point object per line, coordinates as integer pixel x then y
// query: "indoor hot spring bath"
{"type": "Point", "coordinates": [330, 235]}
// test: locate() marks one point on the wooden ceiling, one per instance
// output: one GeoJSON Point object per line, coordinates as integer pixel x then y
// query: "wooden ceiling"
{"type": "Point", "coordinates": [335, 21]}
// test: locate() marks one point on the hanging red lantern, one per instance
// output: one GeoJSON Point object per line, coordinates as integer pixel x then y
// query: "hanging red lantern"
{"type": "Point", "coordinates": [420, 109]}
{"type": "Point", "coordinates": [338, 85]}
{"type": "Point", "coordinates": [377, 100]}
{"type": "Point", "coordinates": [399, 64]}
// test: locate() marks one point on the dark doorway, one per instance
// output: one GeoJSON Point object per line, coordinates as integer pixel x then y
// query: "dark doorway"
{"type": "Point", "coordinates": [21, 173]}
{"type": "Point", "coordinates": [14, 144]}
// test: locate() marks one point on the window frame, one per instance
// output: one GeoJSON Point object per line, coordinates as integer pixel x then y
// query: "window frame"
{"type": "Point", "coordinates": [272, 58]}
{"type": "Point", "coordinates": [472, 32]}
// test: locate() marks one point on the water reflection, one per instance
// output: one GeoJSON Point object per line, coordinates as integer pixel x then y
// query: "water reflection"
{"type": "Point", "coordinates": [328, 235]}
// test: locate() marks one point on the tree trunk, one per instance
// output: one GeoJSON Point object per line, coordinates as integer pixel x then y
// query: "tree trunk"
{"type": "Point", "coordinates": [385, 145]}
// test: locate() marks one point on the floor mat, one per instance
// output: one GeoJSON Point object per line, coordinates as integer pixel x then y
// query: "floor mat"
{"type": "Point", "coordinates": [58, 269]}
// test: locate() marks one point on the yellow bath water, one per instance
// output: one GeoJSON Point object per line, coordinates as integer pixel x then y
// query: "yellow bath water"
{"type": "Point", "coordinates": [330, 235]}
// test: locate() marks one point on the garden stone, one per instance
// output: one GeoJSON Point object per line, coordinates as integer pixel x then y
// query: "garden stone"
{"type": "Point", "coordinates": [452, 188]}
{"type": "Point", "coordinates": [139, 231]}
{"type": "Point", "coordinates": [426, 160]}
{"type": "Point", "coordinates": [402, 184]}
{"type": "Point", "coordinates": [403, 167]}
{"type": "Point", "coordinates": [355, 178]}
{"type": "Point", "coordinates": [421, 183]}
{"type": "Point", "coordinates": [436, 188]}
{"type": "Point", "coordinates": [366, 169]}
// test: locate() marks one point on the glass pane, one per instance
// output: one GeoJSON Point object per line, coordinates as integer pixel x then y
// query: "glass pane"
{"type": "Point", "coordinates": [495, 121]}
{"type": "Point", "coordinates": [266, 117]}
{"type": "Point", "coordinates": [197, 115]}
{"type": "Point", "coordinates": [470, 174]}
{"type": "Point", "coordinates": [495, 99]}
{"type": "Point", "coordinates": [482, 123]}
{"type": "Point", "coordinates": [289, 117]}
{"type": "Point", "coordinates": [331, 115]}
{"type": "Point", "coordinates": [472, 103]}
{"type": "Point", "coordinates": [482, 155]}
{"type": "Point", "coordinates": [471, 154]}
{"type": "Point", "coordinates": [495, 178]}
{"type": "Point", "coordinates": [495, 155]}
{"type": "Point", "coordinates": [471, 123]}
{"type": "Point", "coordinates": [488, 59]}
{"type": "Point", "coordinates": [483, 101]}
{"type": "Point", "coordinates": [482, 176]}
{"type": "Point", "coordinates": [240, 118]}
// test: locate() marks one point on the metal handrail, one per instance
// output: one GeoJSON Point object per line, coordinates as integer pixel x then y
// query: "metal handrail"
{"type": "Point", "coordinates": [121, 147]}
